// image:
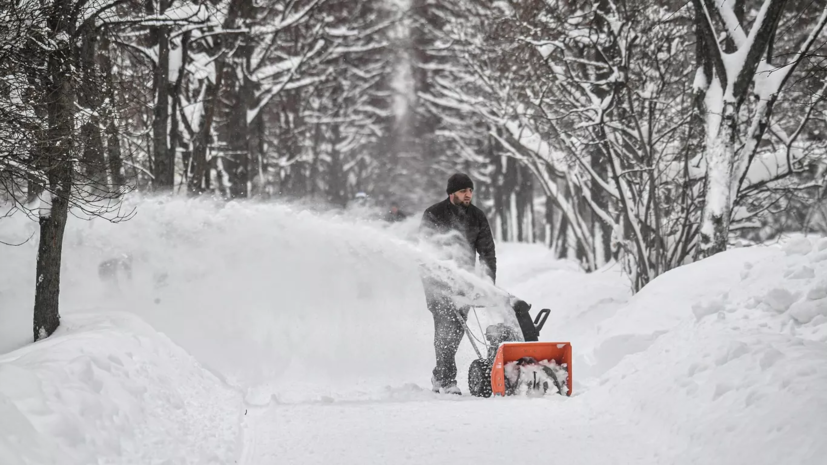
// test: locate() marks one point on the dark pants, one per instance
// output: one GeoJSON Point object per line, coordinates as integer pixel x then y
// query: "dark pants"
{"type": "Point", "coordinates": [448, 331]}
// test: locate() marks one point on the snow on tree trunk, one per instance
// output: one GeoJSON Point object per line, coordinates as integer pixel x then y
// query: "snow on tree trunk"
{"type": "Point", "coordinates": [720, 182]}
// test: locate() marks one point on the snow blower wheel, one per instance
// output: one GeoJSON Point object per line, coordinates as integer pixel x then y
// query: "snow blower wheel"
{"type": "Point", "coordinates": [479, 378]}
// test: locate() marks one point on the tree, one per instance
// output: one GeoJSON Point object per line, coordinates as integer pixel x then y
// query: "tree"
{"type": "Point", "coordinates": [727, 74]}
{"type": "Point", "coordinates": [51, 58]}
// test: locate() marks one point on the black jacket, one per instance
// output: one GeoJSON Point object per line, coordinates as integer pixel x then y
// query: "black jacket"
{"type": "Point", "coordinates": [474, 233]}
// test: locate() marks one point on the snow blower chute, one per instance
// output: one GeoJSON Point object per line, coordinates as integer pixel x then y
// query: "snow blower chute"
{"type": "Point", "coordinates": [512, 366]}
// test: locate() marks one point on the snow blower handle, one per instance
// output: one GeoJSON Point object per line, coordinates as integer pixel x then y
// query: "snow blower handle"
{"type": "Point", "coordinates": [468, 332]}
{"type": "Point", "coordinates": [540, 319]}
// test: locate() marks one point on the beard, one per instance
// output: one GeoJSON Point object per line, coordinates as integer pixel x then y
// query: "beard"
{"type": "Point", "coordinates": [460, 203]}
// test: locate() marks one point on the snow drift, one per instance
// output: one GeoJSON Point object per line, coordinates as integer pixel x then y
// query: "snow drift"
{"type": "Point", "coordinates": [729, 355]}
{"type": "Point", "coordinates": [110, 389]}
{"type": "Point", "coordinates": [720, 361]}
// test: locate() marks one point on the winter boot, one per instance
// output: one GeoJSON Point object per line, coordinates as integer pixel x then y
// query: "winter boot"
{"type": "Point", "coordinates": [452, 389]}
{"type": "Point", "coordinates": [438, 388]}
{"type": "Point", "coordinates": [435, 385]}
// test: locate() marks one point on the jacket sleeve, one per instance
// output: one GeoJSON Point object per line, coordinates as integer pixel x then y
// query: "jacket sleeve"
{"type": "Point", "coordinates": [485, 247]}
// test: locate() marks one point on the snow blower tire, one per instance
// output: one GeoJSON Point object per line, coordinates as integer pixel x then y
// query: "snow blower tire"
{"type": "Point", "coordinates": [479, 378]}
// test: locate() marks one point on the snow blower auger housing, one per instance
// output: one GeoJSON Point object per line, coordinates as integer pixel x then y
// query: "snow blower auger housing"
{"type": "Point", "coordinates": [513, 366]}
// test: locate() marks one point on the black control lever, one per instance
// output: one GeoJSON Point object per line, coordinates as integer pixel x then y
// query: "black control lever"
{"type": "Point", "coordinates": [540, 319]}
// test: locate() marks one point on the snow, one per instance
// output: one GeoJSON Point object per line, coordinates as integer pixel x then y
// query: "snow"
{"type": "Point", "coordinates": [749, 371]}
{"type": "Point", "coordinates": [201, 66]}
{"type": "Point", "coordinates": [314, 325]}
{"type": "Point", "coordinates": [733, 25]}
{"type": "Point", "coordinates": [768, 78]}
{"type": "Point", "coordinates": [798, 246]}
{"type": "Point", "coordinates": [45, 206]}
{"type": "Point", "coordinates": [714, 103]}
{"type": "Point", "coordinates": [532, 380]}
{"type": "Point", "coordinates": [700, 83]}
{"type": "Point", "coordinates": [176, 55]}
{"type": "Point", "coordinates": [772, 164]}
{"type": "Point", "coordinates": [107, 388]}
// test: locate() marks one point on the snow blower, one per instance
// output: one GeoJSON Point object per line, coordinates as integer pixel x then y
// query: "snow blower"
{"type": "Point", "coordinates": [511, 366]}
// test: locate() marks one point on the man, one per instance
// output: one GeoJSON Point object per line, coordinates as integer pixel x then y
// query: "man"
{"type": "Point", "coordinates": [467, 232]}
{"type": "Point", "coordinates": [395, 215]}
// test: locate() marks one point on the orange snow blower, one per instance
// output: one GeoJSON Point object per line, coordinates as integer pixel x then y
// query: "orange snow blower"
{"type": "Point", "coordinates": [511, 363]}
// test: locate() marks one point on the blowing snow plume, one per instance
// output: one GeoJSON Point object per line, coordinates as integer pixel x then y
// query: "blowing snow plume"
{"type": "Point", "coordinates": [266, 295]}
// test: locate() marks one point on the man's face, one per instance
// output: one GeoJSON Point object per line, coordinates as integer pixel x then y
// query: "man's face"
{"type": "Point", "coordinates": [462, 197]}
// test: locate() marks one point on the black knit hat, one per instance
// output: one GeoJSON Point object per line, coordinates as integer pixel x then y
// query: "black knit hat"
{"type": "Point", "coordinates": [458, 182]}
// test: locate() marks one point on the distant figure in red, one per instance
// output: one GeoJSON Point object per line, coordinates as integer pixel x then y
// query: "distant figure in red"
{"type": "Point", "coordinates": [395, 214]}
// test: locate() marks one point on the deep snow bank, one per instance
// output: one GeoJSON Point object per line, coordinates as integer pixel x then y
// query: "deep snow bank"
{"type": "Point", "coordinates": [110, 389]}
{"type": "Point", "coordinates": [730, 354]}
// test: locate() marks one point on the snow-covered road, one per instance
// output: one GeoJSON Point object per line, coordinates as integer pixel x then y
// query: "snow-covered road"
{"type": "Point", "coordinates": [412, 426]}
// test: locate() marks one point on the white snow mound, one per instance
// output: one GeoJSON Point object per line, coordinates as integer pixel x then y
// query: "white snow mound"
{"type": "Point", "coordinates": [730, 354]}
{"type": "Point", "coordinates": [107, 388]}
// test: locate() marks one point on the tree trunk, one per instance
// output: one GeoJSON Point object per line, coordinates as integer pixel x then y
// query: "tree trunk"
{"type": "Point", "coordinates": [562, 248]}
{"type": "Point", "coordinates": [720, 185]}
{"type": "Point", "coordinates": [259, 181]}
{"type": "Point", "coordinates": [525, 204]}
{"type": "Point", "coordinates": [237, 163]}
{"type": "Point", "coordinates": [337, 184]}
{"type": "Point", "coordinates": [114, 158]}
{"type": "Point", "coordinates": [174, 126]}
{"type": "Point", "coordinates": [163, 166]}
{"type": "Point", "coordinates": [197, 183]}
{"type": "Point", "coordinates": [603, 231]}
{"type": "Point", "coordinates": [562, 236]}
{"type": "Point", "coordinates": [113, 148]}
{"type": "Point", "coordinates": [90, 97]}
{"type": "Point", "coordinates": [58, 165]}
{"type": "Point", "coordinates": [508, 192]}
{"type": "Point", "coordinates": [94, 163]}
{"type": "Point", "coordinates": [497, 190]}
{"type": "Point", "coordinates": [732, 87]}
{"type": "Point", "coordinates": [549, 221]}
{"type": "Point", "coordinates": [49, 252]}
{"type": "Point", "coordinates": [200, 180]}
{"type": "Point", "coordinates": [317, 156]}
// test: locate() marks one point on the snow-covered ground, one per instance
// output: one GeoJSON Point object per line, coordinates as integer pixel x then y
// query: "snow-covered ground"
{"type": "Point", "coordinates": [274, 335]}
{"type": "Point", "coordinates": [107, 388]}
